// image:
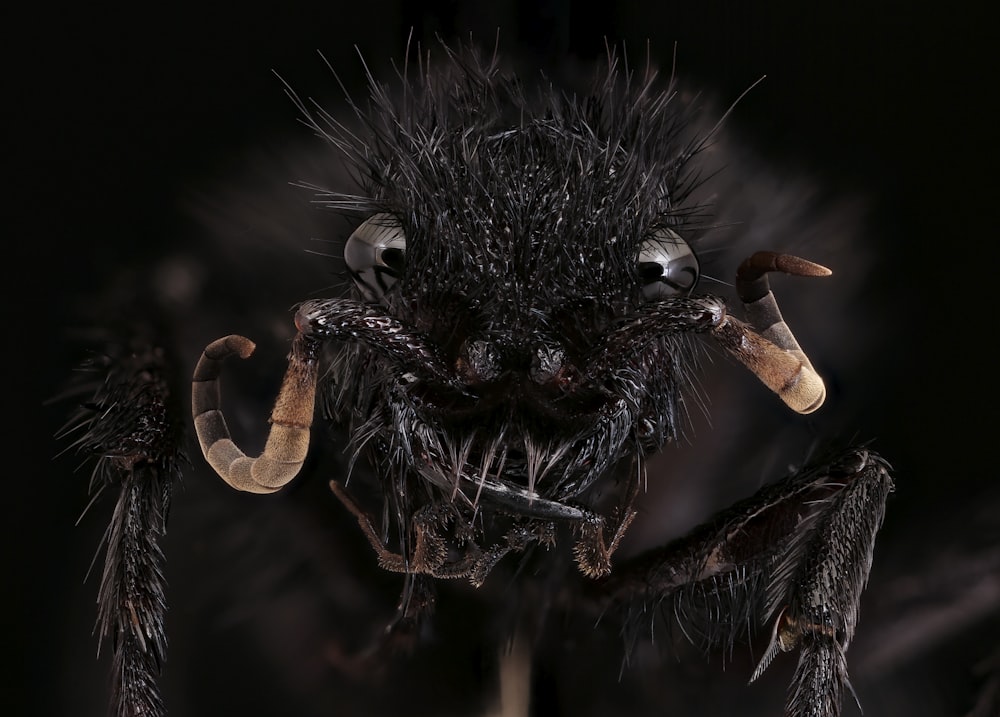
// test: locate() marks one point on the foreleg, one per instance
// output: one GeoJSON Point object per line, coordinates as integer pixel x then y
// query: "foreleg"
{"type": "Point", "coordinates": [795, 555]}
{"type": "Point", "coordinates": [129, 423]}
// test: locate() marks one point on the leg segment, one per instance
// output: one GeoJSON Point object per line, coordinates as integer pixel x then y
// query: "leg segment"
{"type": "Point", "coordinates": [816, 588]}
{"type": "Point", "coordinates": [795, 555]}
{"type": "Point", "coordinates": [129, 424]}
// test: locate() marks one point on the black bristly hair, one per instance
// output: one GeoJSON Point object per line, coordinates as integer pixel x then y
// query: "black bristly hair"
{"type": "Point", "coordinates": [127, 424]}
{"type": "Point", "coordinates": [524, 209]}
{"type": "Point", "coordinates": [534, 164]}
{"type": "Point", "coordinates": [519, 338]}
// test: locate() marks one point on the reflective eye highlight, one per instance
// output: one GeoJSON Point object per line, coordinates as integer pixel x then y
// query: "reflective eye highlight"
{"type": "Point", "coordinates": [667, 266]}
{"type": "Point", "coordinates": [375, 255]}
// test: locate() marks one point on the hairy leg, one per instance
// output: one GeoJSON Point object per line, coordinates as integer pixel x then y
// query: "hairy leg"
{"type": "Point", "coordinates": [796, 556]}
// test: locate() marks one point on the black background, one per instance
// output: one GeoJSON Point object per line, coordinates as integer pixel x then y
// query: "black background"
{"type": "Point", "coordinates": [117, 115]}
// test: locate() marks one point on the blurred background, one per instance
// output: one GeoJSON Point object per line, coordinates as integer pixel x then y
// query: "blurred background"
{"type": "Point", "coordinates": [153, 149]}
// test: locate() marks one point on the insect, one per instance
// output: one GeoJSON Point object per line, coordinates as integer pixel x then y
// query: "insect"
{"type": "Point", "coordinates": [525, 328]}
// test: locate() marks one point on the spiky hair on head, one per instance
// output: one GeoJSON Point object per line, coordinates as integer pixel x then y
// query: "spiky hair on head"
{"type": "Point", "coordinates": [482, 168]}
{"type": "Point", "coordinates": [523, 212]}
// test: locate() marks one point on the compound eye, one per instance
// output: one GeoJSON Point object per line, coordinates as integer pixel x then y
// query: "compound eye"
{"type": "Point", "coordinates": [667, 266]}
{"type": "Point", "coordinates": [375, 254]}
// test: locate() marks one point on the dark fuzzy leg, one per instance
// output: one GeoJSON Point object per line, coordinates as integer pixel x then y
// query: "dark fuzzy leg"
{"type": "Point", "coordinates": [130, 424]}
{"type": "Point", "coordinates": [818, 584]}
{"type": "Point", "coordinates": [798, 552]}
